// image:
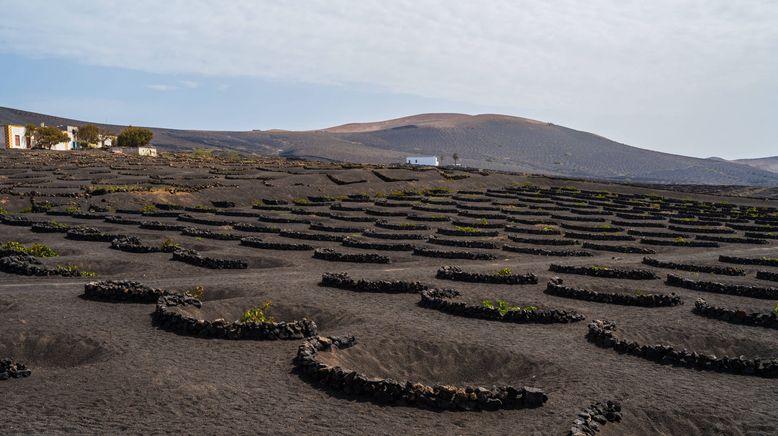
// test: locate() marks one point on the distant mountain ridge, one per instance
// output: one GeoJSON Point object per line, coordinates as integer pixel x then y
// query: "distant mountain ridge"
{"type": "Point", "coordinates": [486, 141]}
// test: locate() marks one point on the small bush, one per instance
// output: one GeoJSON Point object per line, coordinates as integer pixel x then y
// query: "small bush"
{"type": "Point", "coordinates": [483, 222]}
{"type": "Point", "coordinates": [169, 245]}
{"type": "Point", "coordinates": [503, 272]}
{"type": "Point", "coordinates": [72, 209]}
{"type": "Point", "coordinates": [468, 229]}
{"type": "Point", "coordinates": [26, 210]}
{"type": "Point", "coordinates": [301, 201]}
{"type": "Point", "coordinates": [74, 268]}
{"type": "Point", "coordinates": [198, 292]}
{"type": "Point", "coordinates": [258, 314]}
{"type": "Point", "coordinates": [37, 250]}
{"type": "Point", "coordinates": [149, 208]}
{"type": "Point", "coordinates": [600, 268]}
{"type": "Point", "coordinates": [503, 307]}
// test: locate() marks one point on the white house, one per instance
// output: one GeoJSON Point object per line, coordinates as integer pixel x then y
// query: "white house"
{"type": "Point", "coordinates": [146, 150]}
{"type": "Point", "coordinates": [422, 160]}
{"type": "Point", "coordinates": [71, 144]}
{"type": "Point", "coordinates": [15, 136]}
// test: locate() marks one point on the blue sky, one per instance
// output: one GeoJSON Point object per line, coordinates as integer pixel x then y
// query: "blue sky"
{"type": "Point", "coordinates": [690, 77]}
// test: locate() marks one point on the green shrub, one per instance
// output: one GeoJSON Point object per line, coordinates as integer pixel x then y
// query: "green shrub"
{"type": "Point", "coordinates": [548, 228]}
{"type": "Point", "coordinates": [26, 210]}
{"type": "Point", "coordinates": [483, 222]}
{"type": "Point", "coordinates": [37, 250]}
{"type": "Point", "coordinates": [503, 272]}
{"type": "Point", "coordinates": [202, 153]}
{"type": "Point", "coordinates": [503, 307]}
{"type": "Point", "coordinates": [149, 208]}
{"type": "Point", "coordinates": [74, 268]}
{"type": "Point", "coordinates": [196, 292]}
{"type": "Point", "coordinates": [169, 245]}
{"type": "Point", "coordinates": [600, 268]}
{"type": "Point", "coordinates": [301, 201]}
{"type": "Point", "coordinates": [70, 210]}
{"type": "Point", "coordinates": [467, 229]}
{"type": "Point", "coordinates": [770, 259]}
{"type": "Point", "coordinates": [258, 314]}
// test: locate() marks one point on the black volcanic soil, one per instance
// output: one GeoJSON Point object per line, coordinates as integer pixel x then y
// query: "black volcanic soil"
{"type": "Point", "coordinates": [101, 368]}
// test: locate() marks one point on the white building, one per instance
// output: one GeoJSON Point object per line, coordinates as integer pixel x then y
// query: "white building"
{"type": "Point", "coordinates": [71, 144]}
{"type": "Point", "coordinates": [422, 160]}
{"type": "Point", "coordinates": [15, 136]}
{"type": "Point", "coordinates": [146, 150]}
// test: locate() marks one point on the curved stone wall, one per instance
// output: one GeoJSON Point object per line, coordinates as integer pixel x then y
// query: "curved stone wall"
{"type": "Point", "coordinates": [457, 274]}
{"type": "Point", "coordinates": [555, 287]}
{"type": "Point", "coordinates": [441, 300]}
{"type": "Point", "coordinates": [735, 316]}
{"type": "Point", "coordinates": [193, 257]}
{"type": "Point", "coordinates": [602, 333]}
{"type": "Point", "coordinates": [122, 291]}
{"type": "Point", "coordinates": [723, 288]}
{"type": "Point", "coordinates": [388, 391]}
{"type": "Point", "coordinates": [344, 281]}
{"type": "Point", "coordinates": [334, 256]}
{"type": "Point", "coordinates": [167, 318]}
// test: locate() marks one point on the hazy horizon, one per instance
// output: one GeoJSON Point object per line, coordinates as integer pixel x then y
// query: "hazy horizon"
{"type": "Point", "coordinates": [693, 78]}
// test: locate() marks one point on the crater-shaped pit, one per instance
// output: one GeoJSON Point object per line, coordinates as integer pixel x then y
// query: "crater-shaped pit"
{"type": "Point", "coordinates": [53, 350]}
{"type": "Point", "coordinates": [440, 363]}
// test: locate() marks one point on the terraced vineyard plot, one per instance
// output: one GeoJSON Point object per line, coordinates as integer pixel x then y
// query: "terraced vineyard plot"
{"type": "Point", "coordinates": [466, 309]}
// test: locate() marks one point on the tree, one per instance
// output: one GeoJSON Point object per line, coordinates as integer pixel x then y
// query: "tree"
{"type": "Point", "coordinates": [29, 132]}
{"type": "Point", "coordinates": [88, 134]}
{"type": "Point", "coordinates": [134, 137]}
{"type": "Point", "coordinates": [456, 158]}
{"type": "Point", "coordinates": [46, 137]}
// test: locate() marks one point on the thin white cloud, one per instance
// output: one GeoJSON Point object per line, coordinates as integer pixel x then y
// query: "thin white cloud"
{"type": "Point", "coordinates": [191, 84]}
{"type": "Point", "coordinates": [601, 60]}
{"type": "Point", "coordinates": [162, 88]}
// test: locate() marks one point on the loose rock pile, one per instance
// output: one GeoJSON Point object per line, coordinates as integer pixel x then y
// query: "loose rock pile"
{"type": "Point", "coordinates": [166, 317]}
{"type": "Point", "coordinates": [388, 391]}
{"type": "Point", "coordinates": [589, 420]}
{"type": "Point", "coordinates": [11, 369]}
{"type": "Point", "coordinates": [602, 334]}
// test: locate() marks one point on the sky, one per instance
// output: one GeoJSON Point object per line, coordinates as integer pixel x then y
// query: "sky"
{"type": "Point", "coordinates": [691, 77]}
